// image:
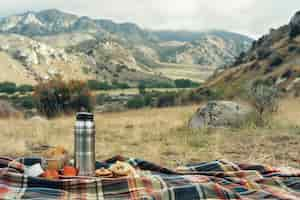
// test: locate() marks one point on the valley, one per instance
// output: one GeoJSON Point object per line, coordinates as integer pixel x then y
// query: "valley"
{"type": "Point", "coordinates": [42, 45]}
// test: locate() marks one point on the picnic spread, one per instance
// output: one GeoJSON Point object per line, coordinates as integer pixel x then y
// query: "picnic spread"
{"type": "Point", "coordinates": [210, 180]}
{"type": "Point", "coordinates": [58, 175]}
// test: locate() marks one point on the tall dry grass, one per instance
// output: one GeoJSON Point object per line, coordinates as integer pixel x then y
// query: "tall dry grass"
{"type": "Point", "coordinates": [161, 136]}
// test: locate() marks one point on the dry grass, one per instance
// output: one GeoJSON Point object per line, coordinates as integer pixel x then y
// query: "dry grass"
{"type": "Point", "coordinates": [160, 135]}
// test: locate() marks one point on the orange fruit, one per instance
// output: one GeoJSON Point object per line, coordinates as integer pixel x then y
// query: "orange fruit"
{"type": "Point", "coordinates": [70, 171]}
{"type": "Point", "coordinates": [51, 174]}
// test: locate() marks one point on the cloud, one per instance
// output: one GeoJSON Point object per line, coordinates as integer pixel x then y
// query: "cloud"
{"type": "Point", "coordinates": [253, 17]}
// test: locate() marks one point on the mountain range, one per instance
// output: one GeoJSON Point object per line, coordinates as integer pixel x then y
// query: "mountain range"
{"type": "Point", "coordinates": [39, 45]}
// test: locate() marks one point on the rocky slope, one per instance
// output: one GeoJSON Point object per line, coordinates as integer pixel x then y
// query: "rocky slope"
{"type": "Point", "coordinates": [274, 57]}
{"type": "Point", "coordinates": [52, 42]}
{"type": "Point", "coordinates": [214, 48]}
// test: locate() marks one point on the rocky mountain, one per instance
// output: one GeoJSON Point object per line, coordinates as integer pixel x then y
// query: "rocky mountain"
{"type": "Point", "coordinates": [275, 57]}
{"type": "Point", "coordinates": [42, 42]}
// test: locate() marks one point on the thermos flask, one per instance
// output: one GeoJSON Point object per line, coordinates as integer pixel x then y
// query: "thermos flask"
{"type": "Point", "coordinates": [85, 144]}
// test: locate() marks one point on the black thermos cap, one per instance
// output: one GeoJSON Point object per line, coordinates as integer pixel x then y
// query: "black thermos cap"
{"type": "Point", "coordinates": [85, 116]}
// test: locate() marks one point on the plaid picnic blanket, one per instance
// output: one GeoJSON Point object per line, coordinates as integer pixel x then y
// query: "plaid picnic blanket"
{"type": "Point", "coordinates": [211, 180]}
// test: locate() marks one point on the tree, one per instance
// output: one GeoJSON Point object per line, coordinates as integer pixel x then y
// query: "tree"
{"type": "Point", "coordinates": [264, 98]}
{"type": "Point", "coordinates": [57, 96]}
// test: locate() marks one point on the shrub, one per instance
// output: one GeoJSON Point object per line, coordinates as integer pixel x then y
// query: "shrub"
{"type": "Point", "coordinates": [136, 102]}
{"type": "Point", "coordinates": [275, 60]}
{"type": "Point", "coordinates": [102, 98]}
{"type": "Point", "coordinates": [157, 84]}
{"type": "Point", "coordinates": [292, 48]}
{"type": "Point", "coordinates": [263, 53]}
{"type": "Point", "coordinates": [185, 83]}
{"type": "Point", "coordinates": [25, 88]}
{"type": "Point", "coordinates": [166, 99]}
{"type": "Point", "coordinates": [148, 99]}
{"type": "Point", "coordinates": [8, 87]}
{"type": "Point", "coordinates": [264, 98]}
{"type": "Point", "coordinates": [27, 102]}
{"type": "Point", "coordinates": [57, 96]}
{"type": "Point", "coordinates": [118, 85]}
{"type": "Point", "coordinates": [97, 85]}
{"type": "Point", "coordinates": [142, 88]}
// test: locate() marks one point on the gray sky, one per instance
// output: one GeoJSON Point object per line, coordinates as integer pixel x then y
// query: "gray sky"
{"type": "Point", "coordinates": [252, 17]}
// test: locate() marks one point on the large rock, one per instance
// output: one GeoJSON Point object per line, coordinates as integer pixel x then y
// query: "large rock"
{"type": "Point", "coordinates": [220, 114]}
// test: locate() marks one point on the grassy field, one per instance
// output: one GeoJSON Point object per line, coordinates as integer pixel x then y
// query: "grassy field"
{"type": "Point", "coordinates": [161, 136]}
{"type": "Point", "coordinates": [196, 73]}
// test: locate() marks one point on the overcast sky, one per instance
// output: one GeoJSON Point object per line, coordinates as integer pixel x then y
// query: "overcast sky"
{"type": "Point", "coordinates": [252, 17]}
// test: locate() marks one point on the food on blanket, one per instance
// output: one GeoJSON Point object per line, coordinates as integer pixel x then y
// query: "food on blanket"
{"type": "Point", "coordinates": [51, 174]}
{"type": "Point", "coordinates": [122, 169]}
{"type": "Point", "coordinates": [69, 171]}
{"type": "Point", "coordinates": [56, 158]}
{"type": "Point", "coordinates": [55, 152]}
{"type": "Point", "coordinates": [54, 164]}
{"type": "Point", "coordinates": [106, 173]}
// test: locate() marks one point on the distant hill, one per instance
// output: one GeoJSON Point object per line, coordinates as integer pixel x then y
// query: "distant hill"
{"type": "Point", "coordinates": [111, 51]}
{"type": "Point", "coordinates": [274, 57]}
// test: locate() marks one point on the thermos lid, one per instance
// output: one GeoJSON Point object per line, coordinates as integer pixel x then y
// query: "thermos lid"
{"type": "Point", "coordinates": [85, 116]}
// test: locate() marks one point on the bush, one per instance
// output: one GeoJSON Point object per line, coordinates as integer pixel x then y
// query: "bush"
{"type": "Point", "coordinates": [142, 88]}
{"type": "Point", "coordinates": [117, 85]}
{"type": "Point", "coordinates": [136, 102]}
{"type": "Point", "coordinates": [148, 99]}
{"type": "Point", "coordinates": [166, 99]}
{"type": "Point", "coordinates": [8, 87]}
{"type": "Point", "coordinates": [185, 83]}
{"type": "Point", "coordinates": [27, 102]}
{"type": "Point", "coordinates": [292, 48]}
{"type": "Point", "coordinates": [264, 98]}
{"type": "Point", "coordinates": [157, 84]}
{"type": "Point", "coordinates": [97, 85]}
{"type": "Point", "coordinates": [275, 60]}
{"type": "Point", "coordinates": [57, 96]}
{"type": "Point", "coordinates": [102, 98]}
{"type": "Point", "coordinates": [25, 88]}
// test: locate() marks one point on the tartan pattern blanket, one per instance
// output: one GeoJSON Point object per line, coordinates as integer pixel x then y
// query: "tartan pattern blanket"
{"type": "Point", "coordinates": [211, 180]}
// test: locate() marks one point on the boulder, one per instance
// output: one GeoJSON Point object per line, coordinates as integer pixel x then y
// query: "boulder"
{"type": "Point", "coordinates": [220, 114]}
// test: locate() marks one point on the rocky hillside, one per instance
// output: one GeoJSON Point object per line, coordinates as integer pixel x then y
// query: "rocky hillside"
{"type": "Point", "coordinates": [47, 43]}
{"type": "Point", "coordinates": [274, 57]}
{"type": "Point", "coordinates": [213, 48]}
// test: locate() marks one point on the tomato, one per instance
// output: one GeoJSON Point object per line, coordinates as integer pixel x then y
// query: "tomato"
{"type": "Point", "coordinates": [69, 171]}
{"type": "Point", "coordinates": [51, 174]}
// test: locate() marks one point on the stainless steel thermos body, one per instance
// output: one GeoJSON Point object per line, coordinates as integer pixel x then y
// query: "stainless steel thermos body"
{"type": "Point", "coordinates": [85, 144]}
